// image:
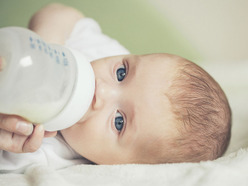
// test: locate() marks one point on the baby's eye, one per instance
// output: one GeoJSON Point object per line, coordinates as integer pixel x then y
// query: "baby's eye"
{"type": "Point", "coordinates": [119, 121]}
{"type": "Point", "coordinates": [121, 73]}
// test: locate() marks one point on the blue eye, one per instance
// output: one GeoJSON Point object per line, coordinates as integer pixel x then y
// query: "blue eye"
{"type": "Point", "coordinates": [119, 121]}
{"type": "Point", "coordinates": [121, 73]}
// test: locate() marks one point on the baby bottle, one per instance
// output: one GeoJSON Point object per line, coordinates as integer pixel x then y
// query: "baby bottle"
{"type": "Point", "coordinates": [44, 83]}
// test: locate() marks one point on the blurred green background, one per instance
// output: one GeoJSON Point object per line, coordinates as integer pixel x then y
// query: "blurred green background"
{"type": "Point", "coordinates": [134, 23]}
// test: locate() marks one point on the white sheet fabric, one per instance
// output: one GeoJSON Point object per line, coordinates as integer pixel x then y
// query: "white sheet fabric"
{"type": "Point", "coordinates": [54, 152]}
{"type": "Point", "coordinates": [228, 171]}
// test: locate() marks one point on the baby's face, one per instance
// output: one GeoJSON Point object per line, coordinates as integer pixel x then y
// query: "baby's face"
{"type": "Point", "coordinates": [130, 114]}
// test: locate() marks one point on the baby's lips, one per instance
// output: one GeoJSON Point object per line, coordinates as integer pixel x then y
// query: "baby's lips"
{"type": "Point", "coordinates": [2, 63]}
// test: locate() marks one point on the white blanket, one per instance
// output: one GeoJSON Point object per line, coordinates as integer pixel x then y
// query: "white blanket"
{"type": "Point", "coordinates": [232, 169]}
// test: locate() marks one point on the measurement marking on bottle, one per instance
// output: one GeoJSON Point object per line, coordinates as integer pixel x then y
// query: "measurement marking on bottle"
{"type": "Point", "coordinates": [32, 45]}
{"type": "Point", "coordinates": [52, 53]}
{"type": "Point", "coordinates": [57, 60]}
{"type": "Point", "coordinates": [65, 62]}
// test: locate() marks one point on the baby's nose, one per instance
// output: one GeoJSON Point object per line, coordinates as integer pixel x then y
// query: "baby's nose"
{"type": "Point", "coordinates": [104, 93]}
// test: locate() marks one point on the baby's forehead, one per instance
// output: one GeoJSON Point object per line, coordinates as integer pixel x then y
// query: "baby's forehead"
{"type": "Point", "coordinates": [155, 136]}
{"type": "Point", "coordinates": [161, 57]}
{"type": "Point", "coordinates": [157, 68]}
{"type": "Point", "coordinates": [163, 63]}
{"type": "Point", "coordinates": [154, 77]}
{"type": "Point", "coordinates": [152, 124]}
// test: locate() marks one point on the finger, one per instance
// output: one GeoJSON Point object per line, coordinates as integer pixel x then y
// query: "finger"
{"type": "Point", "coordinates": [15, 124]}
{"type": "Point", "coordinates": [17, 143]}
{"type": "Point", "coordinates": [5, 140]}
{"type": "Point", "coordinates": [49, 134]}
{"type": "Point", "coordinates": [11, 142]}
{"type": "Point", "coordinates": [35, 140]}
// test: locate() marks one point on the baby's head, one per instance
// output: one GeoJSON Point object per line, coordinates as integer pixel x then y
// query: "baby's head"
{"type": "Point", "coordinates": [202, 115]}
{"type": "Point", "coordinates": [156, 108]}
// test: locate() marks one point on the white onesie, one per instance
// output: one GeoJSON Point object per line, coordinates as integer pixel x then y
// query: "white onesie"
{"type": "Point", "coordinates": [87, 38]}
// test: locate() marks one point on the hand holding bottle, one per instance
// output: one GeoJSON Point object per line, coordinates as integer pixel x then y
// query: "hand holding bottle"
{"type": "Point", "coordinates": [20, 136]}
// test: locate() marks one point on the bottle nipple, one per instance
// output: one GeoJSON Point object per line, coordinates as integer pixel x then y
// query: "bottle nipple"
{"type": "Point", "coordinates": [2, 63]}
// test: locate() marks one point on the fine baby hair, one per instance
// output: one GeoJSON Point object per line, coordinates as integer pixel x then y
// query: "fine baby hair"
{"type": "Point", "coordinates": [202, 113]}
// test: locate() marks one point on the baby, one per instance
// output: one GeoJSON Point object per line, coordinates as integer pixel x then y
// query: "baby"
{"type": "Point", "coordinates": [156, 108]}
{"type": "Point", "coordinates": [152, 109]}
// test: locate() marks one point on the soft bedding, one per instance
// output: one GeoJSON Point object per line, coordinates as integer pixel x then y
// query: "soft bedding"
{"type": "Point", "coordinates": [232, 169]}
